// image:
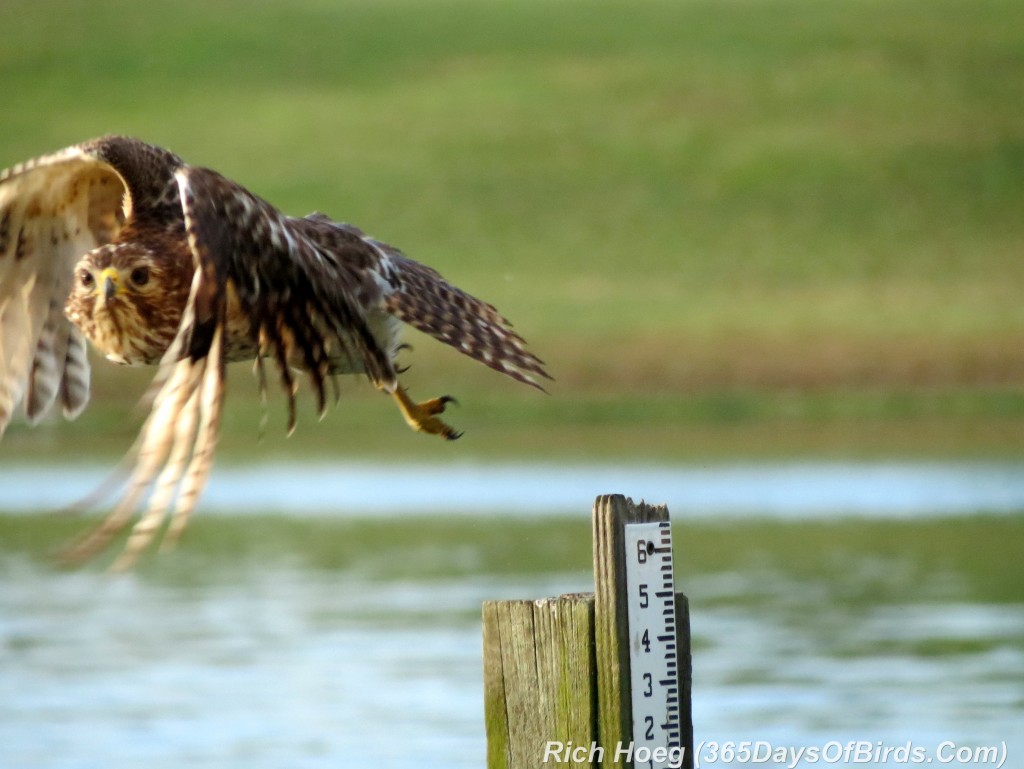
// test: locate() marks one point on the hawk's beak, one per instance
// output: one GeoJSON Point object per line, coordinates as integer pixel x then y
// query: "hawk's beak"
{"type": "Point", "coordinates": [111, 281]}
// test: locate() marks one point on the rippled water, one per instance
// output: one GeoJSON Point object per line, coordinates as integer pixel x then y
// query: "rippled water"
{"type": "Point", "coordinates": [270, 667]}
{"type": "Point", "coordinates": [277, 669]}
{"type": "Point", "coordinates": [276, 664]}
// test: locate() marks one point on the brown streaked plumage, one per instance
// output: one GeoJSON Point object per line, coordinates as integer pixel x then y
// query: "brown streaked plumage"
{"type": "Point", "coordinates": [155, 261]}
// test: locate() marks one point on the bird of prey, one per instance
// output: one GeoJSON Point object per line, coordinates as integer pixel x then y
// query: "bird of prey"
{"type": "Point", "coordinates": [157, 262]}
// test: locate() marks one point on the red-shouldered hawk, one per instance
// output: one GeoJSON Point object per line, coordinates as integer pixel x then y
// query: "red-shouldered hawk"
{"type": "Point", "coordinates": [155, 261]}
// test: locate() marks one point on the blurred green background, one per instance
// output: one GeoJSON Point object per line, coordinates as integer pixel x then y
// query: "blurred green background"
{"type": "Point", "coordinates": [735, 230]}
{"type": "Point", "coordinates": [731, 228]}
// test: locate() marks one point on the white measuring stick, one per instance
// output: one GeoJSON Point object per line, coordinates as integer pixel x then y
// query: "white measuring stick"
{"type": "Point", "coordinates": [653, 661]}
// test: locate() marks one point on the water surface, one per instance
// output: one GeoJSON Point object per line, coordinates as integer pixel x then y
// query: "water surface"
{"type": "Point", "coordinates": [782, 490]}
{"type": "Point", "coordinates": [275, 666]}
{"type": "Point", "coordinates": [366, 651]}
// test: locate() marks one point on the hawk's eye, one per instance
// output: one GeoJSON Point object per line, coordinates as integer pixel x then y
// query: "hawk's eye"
{"type": "Point", "coordinates": [140, 276]}
{"type": "Point", "coordinates": [86, 279]}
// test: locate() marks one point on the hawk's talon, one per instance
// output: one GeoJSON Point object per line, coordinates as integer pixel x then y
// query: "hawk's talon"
{"type": "Point", "coordinates": [437, 405]}
{"type": "Point", "coordinates": [398, 349]}
{"type": "Point", "coordinates": [422, 417]}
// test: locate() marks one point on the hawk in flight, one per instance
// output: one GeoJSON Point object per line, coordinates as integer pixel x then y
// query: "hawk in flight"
{"type": "Point", "coordinates": [156, 262]}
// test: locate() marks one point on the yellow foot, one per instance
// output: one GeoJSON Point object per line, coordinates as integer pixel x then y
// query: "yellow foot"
{"type": "Point", "coordinates": [422, 416]}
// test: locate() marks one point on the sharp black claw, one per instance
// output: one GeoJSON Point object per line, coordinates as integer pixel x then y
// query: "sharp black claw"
{"type": "Point", "coordinates": [394, 354]}
{"type": "Point", "coordinates": [453, 436]}
{"type": "Point", "coordinates": [446, 399]}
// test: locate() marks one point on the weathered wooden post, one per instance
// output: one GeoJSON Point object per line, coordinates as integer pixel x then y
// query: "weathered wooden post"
{"type": "Point", "coordinates": [539, 678]}
{"type": "Point", "coordinates": [557, 676]}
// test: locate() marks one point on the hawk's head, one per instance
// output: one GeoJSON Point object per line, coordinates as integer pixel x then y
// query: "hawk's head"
{"type": "Point", "coordinates": [128, 301]}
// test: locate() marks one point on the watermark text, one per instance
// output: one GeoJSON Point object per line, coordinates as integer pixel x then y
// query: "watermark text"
{"type": "Point", "coordinates": [762, 752]}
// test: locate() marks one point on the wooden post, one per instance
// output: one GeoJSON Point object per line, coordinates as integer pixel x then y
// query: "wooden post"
{"type": "Point", "coordinates": [556, 670]}
{"type": "Point", "coordinates": [538, 678]}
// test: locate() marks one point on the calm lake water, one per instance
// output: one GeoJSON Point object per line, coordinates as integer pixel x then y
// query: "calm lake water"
{"type": "Point", "coordinates": [272, 664]}
{"type": "Point", "coordinates": [783, 490]}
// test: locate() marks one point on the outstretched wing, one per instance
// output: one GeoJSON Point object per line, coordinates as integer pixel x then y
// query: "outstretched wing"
{"type": "Point", "coordinates": [257, 273]}
{"type": "Point", "coordinates": [420, 296]}
{"type": "Point", "coordinates": [52, 211]}
{"type": "Point", "coordinates": [303, 301]}
{"type": "Point", "coordinates": [424, 299]}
